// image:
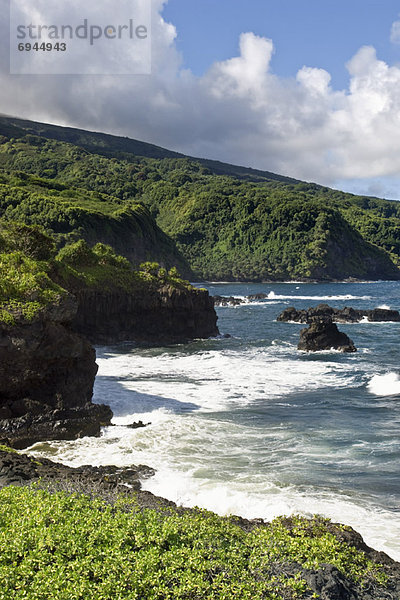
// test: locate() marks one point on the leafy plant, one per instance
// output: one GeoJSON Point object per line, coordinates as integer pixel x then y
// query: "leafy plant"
{"type": "Point", "coordinates": [71, 547]}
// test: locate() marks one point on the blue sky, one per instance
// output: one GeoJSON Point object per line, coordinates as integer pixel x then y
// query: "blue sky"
{"type": "Point", "coordinates": [316, 33]}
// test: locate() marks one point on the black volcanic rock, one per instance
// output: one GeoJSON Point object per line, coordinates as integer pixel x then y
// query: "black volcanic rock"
{"type": "Point", "coordinates": [322, 334]}
{"type": "Point", "coordinates": [20, 469]}
{"type": "Point", "coordinates": [227, 301]}
{"type": "Point", "coordinates": [167, 315]}
{"type": "Point", "coordinates": [339, 315]}
{"type": "Point", "coordinates": [47, 373]}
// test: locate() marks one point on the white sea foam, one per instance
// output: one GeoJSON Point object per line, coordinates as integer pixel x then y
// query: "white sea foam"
{"type": "Point", "coordinates": [210, 380]}
{"type": "Point", "coordinates": [384, 306]}
{"type": "Point", "coordinates": [206, 455]}
{"type": "Point", "coordinates": [267, 500]}
{"type": "Point", "coordinates": [274, 296]}
{"type": "Point", "coordinates": [210, 464]}
{"type": "Point", "coordinates": [385, 385]}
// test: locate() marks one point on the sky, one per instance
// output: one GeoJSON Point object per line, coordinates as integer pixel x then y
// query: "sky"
{"type": "Point", "coordinates": [305, 88]}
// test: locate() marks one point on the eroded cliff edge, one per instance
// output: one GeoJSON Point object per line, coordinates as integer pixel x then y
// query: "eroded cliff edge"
{"type": "Point", "coordinates": [54, 306]}
{"type": "Point", "coordinates": [47, 372]}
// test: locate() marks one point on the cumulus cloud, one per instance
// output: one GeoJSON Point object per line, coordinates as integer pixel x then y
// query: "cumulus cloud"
{"type": "Point", "coordinates": [239, 111]}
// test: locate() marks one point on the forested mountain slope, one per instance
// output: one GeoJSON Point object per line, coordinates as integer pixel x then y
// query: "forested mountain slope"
{"type": "Point", "coordinates": [229, 223]}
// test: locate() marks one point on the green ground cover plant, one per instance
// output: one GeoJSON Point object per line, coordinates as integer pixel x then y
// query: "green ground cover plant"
{"type": "Point", "coordinates": [71, 547]}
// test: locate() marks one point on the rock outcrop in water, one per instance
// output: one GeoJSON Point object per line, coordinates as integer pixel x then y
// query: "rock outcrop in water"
{"type": "Point", "coordinates": [322, 334]}
{"type": "Point", "coordinates": [47, 373]}
{"type": "Point", "coordinates": [227, 301]}
{"type": "Point", "coordinates": [339, 315]}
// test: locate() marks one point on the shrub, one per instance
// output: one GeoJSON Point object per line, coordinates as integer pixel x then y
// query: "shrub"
{"type": "Point", "coordinates": [31, 240]}
{"type": "Point", "coordinates": [77, 255]}
{"type": "Point", "coordinates": [69, 547]}
{"type": "Point", "coordinates": [107, 256]}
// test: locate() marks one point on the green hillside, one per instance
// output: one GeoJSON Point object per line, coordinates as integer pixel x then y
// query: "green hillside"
{"type": "Point", "coordinates": [123, 147]}
{"type": "Point", "coordinates": [229, 223]}
{"type": "Point", "coordinates": [72, 213]}
{"type": "Point", "coordinates": [34, 276]}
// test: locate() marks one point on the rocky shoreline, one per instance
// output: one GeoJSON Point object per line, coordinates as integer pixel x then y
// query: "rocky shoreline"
{"type": "Point", "coordinates": [48, 364]}
{"type": "Point", "coordinates": [109, 483]}
{"type": "Point", "coordinates": [47, 372]}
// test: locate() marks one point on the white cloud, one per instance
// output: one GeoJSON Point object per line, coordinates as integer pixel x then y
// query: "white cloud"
{"type": "Point", "coordinates": [239, 111]}
{"type": "Point", "coordinates": [395, 33]}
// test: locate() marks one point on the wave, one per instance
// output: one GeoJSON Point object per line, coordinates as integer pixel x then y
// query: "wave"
{"type": "Point", "coordinates": [385, 385]}
{"type": "Point", "coordinates": [266, 500]}
{"type": "Point", "coordinates": [273, 296]}
{"type": "Point", "coordinates": [207, 464]}
{"type": "Point", "coordinates": [211, 380]}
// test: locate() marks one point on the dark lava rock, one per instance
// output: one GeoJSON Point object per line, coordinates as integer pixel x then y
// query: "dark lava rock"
{"type": "Point", "coordinates": [322, 334]}
{"type": "Point", "coordinates": [227, 301]}
{"type": "Point", "coordinates": [166, 315]}
{"type": "Point", "coordinates": [17, 469]}
{"type": "Point", "coordinates": [330, 584]}
{"type": "Point", "coordinates": [107, 482]}
{"type": "Point", "coordinates": [47, 373]}
{"type": "Point", "coordinates": [137, 425]}
{"type": "Point", "coordinates": [259, 296]}
{"type": "Point", "coordinates": [339, 315]}
{"type": "Point", "coordinates": [383, 314]}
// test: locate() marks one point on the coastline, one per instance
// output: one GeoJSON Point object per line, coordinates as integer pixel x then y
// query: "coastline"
{"type": "Point", "coordinates": [121, 488]}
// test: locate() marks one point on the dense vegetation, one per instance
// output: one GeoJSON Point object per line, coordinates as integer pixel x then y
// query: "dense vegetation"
{"type": "Point", "coordinates": [33, 275]}
{"type": "Point", "coordinates": [71, 547]}
{"type": "Point", "coordinates": [72, 213]}
{"type": "Point", "coordinates": [229, 224]}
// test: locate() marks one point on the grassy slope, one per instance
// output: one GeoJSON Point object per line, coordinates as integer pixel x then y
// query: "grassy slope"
{"type": "Point", "coordinates": [249, 226]}
{"type": "Point", "coordinates": [73, 213]}
{"type": "Point", "coordinates": [123, 147]}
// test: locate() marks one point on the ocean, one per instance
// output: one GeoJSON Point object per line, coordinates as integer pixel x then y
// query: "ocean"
{"type": "Point", "coordinates": [249, 425]}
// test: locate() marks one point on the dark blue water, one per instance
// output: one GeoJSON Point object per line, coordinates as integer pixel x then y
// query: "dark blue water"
{"type": "Point", "coordinates": [250, 425]}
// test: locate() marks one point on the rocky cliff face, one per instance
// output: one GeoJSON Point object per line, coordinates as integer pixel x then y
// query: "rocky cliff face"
{"type": "Point", "coordinates": [166, 315]}
{"type": "Point", "coordinates": [47, 373]}
{"type": "Point", "coordinates": [47, 365]}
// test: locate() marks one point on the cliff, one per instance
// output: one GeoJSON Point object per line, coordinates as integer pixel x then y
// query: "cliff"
{"type": "Point", "coordinates": [157, 316]}
{"type": "Point", "coordinates": [47, 373]}
{"type": "Point", "coordinates": [50, 305]}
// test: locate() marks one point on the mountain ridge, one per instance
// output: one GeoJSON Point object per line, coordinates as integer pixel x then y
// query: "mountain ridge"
{"type": "Point", "coordinates": [139, 148]}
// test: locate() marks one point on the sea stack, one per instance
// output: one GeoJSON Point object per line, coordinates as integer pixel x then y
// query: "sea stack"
{"type": "Point", "coordinates": [323, 334]}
